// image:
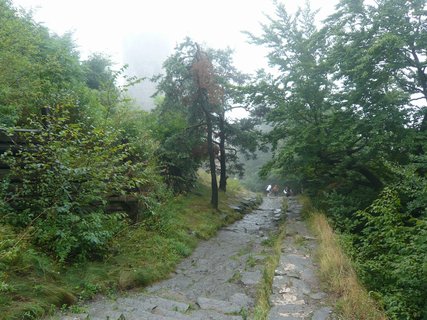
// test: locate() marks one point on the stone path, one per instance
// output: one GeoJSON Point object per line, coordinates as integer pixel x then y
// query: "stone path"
{"type": "Point", "coordinates": [219, 280]}
{"type": "Point", "coordinates": [296, 292]}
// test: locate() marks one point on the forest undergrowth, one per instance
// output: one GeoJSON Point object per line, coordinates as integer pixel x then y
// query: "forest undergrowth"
{"type": "Point", "coordinates": [35, 285]}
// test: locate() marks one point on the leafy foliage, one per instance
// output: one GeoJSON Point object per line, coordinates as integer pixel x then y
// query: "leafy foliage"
{"type": "Point", "coordinates": [37, 69]}
{"type": "Point", "coordinates": [89, 146]}
{"type": "Point", "coordinates": [64, 175]}
{"type": "Point", "coordinates": [178, 154]}
{"type": "Point", "coordinates": [190, 74]}
{"type": "Point", "coordinates": [179, 120]}
{"type": "Point", "coordinates": [347, 107]}
{"type": "Point", "coordinates": [391, 254]}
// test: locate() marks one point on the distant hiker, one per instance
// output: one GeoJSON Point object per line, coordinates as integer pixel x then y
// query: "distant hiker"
{"type": "Point", "coordinates": [287, 191]}
{"type": "Point", "coordinates": [275, 190]}
{"type": "Point", "coordinates": [268, 189]}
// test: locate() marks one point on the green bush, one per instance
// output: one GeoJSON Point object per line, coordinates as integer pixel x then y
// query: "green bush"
{"type": "Point", "coordinates": [177, 151]}
{"type": "Point", "coordinates": [63, 175]}
{"type": "Point", "coordinates": [391, 252]}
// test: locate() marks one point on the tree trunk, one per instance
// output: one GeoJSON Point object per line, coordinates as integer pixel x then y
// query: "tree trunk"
{"type": "Point", "coordinates": [222, 156]}
{"type": "Point", "coordinates": [214, 184]}
{"type": "Point", "coordinates": [203, 72]}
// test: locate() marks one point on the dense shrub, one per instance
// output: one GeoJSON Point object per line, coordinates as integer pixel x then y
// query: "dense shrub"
{"type": "Point", "coordinates": [391, 255]}
{"type": "Point", "coordinates": [63, 175]}
{"type": "Point", "coordinates": [177, 150]}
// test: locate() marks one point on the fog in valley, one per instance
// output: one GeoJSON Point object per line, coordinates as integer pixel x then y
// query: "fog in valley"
{"type": "Point", "coordinates": [145, 53]}
{"type": "Point", "coordinates": [142, 34]}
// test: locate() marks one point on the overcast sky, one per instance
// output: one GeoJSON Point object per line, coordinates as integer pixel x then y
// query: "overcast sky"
{"type": "Point", "coordinates": [104, 25]}
{"type": "Point", "coordinates": [142, 33]}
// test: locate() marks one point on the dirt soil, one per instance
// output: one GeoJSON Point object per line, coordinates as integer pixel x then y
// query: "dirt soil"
{"type": "Point", "coordinates": [219, 280]}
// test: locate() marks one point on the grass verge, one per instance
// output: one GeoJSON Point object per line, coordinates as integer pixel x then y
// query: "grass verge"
{"type": "Point", "coordinates": [262, 305]}
{"type": "Point", "coordinates": [33, 285]}
{"type": "Point", "coordinates": [336, 271]}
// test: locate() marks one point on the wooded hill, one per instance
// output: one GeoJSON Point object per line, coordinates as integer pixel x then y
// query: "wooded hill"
{"type": "Point", "coordinates": [87, 174]}
{"type": "Point", "coordinates": [346, 102]}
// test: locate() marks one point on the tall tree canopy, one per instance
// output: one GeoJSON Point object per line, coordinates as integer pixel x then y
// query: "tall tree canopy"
{"type": "Point", "coordinates": [37, 69]}
{"type": "Point", "coordinates": [200, 87]}
{"type": "Point", "coordinates": [347, 106]}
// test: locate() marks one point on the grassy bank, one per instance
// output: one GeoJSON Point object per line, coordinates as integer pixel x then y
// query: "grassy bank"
{"type": "Point", "coordinates": [336, 271]}
{"type": "Point", "coordinates": [33, 285]}
{"type": "Point", "coordinates": [274, 244]}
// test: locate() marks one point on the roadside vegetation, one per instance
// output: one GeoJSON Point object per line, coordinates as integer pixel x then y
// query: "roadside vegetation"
{"type": "Point", "coordinates": [35, 284]}
{"type": "Point", "coordinates": [88, 179]}
{"type": "Point", "coordinates": [347, 106]}
{"type": "Point", "coordinates": [336, 270]}
{"type": "Point", "coordinates": [97, 195]}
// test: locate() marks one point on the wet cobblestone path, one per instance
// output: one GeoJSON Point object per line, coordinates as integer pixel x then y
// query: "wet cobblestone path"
{"type": "Point", "coordinates": [296, 289]}
{"type": "Point", "coordinates": [219, 280]}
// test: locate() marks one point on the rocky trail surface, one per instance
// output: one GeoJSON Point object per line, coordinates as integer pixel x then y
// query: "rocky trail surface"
{"type": "Point", "coordinates": [296, 292]}
{"type": "Point", "coordinates": [219, 280]}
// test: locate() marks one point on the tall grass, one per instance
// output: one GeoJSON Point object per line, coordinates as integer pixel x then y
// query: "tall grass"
{"type": "Point", "coordinates": [336, 271]}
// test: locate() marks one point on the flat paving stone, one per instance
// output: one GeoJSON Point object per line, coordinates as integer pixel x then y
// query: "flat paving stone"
{"type": "Point", "coordinates": [322, 314]}
{"type": "Point", "coordinates": [213, 315]}
{"type": "Point", "coordinates": [149, 303]}
{"type": "Point", "coordinates": [251, 278]}
{"type": "Point", "coordinates": [289, 311]}
{"type": "Point", "coordinates": [242, 300]}
{"type": "Point", "coordinates": [171, 314]}
{"type": "Point", "coordinates": [218, 305]}
{"type": "Point", "coordinates": [318, 295]}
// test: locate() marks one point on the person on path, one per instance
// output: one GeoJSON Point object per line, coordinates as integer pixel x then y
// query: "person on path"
{"type": "Point", "coordinates": [268, 189]}
{"type": "Point", "coordinates": [275, 190]}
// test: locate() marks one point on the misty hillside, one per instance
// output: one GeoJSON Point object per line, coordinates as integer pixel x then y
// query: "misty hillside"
{"type": "Point", "coordinates": [145, 53]}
